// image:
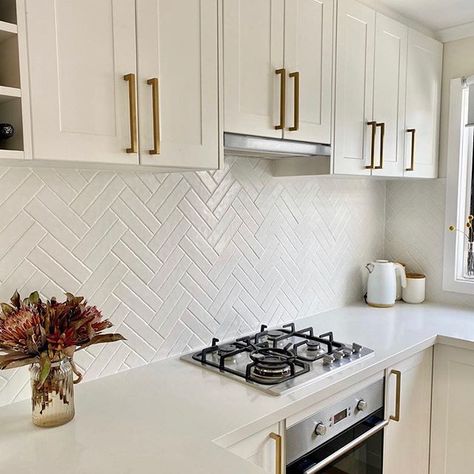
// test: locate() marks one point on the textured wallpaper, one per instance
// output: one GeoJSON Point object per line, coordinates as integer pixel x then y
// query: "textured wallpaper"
{"type": "Point", "coordinates": [415, 230]}
{"type": "Point", "coordinates": [174, 259]}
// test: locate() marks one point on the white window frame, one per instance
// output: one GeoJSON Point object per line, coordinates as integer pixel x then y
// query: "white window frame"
{"type": "Point", "coordinates": [457, 190]}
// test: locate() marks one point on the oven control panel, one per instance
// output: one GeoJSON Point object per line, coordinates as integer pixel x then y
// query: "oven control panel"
{"type": "Point", "coordinates": [332, 420]}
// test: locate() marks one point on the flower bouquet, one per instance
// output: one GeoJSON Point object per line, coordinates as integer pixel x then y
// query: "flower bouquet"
{"type": "Point", "coordinates": [469, 235]}
{"type": "Point", "coordinates": [45, 336]}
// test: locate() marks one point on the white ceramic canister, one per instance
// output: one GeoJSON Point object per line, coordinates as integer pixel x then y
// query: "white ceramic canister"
{"type": "Point", "coordinates": [415, 290]}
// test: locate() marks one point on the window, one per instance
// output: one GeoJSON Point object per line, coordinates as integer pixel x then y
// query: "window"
{"type": "Point", "coordinates": [458, 272]}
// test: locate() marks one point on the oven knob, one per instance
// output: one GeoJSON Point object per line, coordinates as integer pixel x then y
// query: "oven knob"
{"type": "Point", "coordinates": [321, 429]}
{"type": "Point", "coordinates": [361, 405]}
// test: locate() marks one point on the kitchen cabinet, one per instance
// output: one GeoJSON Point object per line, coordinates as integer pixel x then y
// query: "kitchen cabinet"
{"type": "Point", "coordinates": [407, 442]}
{"type": "Point", "coordinates": [452, 428]}
{"type": "Point", "coordinates": [354, 87]}
{"type": "Point", "coordinates": [388, 80]}
{"type": "Point", "coordinates": [265, 449]}
{"type": "Point", "coordinates": [135, 83]}
{"type": "Point", "coordinates": [424, 68]}
{"type": "Point", "coordinates": [278, 68]}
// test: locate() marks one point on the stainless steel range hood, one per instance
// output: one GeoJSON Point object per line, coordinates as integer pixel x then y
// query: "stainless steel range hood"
{"type": "Point", "coordinates": [272, 148]}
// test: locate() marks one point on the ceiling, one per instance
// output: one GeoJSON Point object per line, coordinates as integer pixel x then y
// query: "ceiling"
{"type": "Point", "coordinates": [435, 14]}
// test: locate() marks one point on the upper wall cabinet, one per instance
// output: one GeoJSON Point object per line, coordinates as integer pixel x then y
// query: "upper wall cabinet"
{"type": "Point", "coordinates": [87, 70]}
{"type": "Point", "coordinates": [423, 106]}
{"type": "Point", "coordinates": [388, 81]}
{"type": "Point", "coordinates": [278, 68]}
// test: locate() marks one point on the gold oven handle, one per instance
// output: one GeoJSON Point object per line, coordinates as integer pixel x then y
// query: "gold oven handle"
{"type": "Point", "coordinates": [132, 96]}
{"type": "Point", "coordinates": [372, 147]}
{"type": "Point", "coordinates": [155, 89]}
{"type": "Point", "coordinates": [382, 138]}
{"type": "Point", "coordinates": [282, 73]}
{"type": "Point", "coordinates": [278, 453]}
{"type": "Point", "coordinates": [296, 109]}
{"type": "Point", "coordinates": [398, 391]}
{"type": "Point", "coordinates": [412, 162]}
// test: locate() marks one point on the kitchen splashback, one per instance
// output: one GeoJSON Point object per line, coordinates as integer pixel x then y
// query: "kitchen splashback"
{"type": "Point", "coordinates": [174, 259]}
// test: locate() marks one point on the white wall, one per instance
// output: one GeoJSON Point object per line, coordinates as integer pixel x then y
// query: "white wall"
{"type": "Point", "coordinates": [177, 259]}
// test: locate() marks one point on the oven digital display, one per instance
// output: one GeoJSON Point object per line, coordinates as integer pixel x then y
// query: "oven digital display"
{"type": "Point", "coordinates": [340, 416]}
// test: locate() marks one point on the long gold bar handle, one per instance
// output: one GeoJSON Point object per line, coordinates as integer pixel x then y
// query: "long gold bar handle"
{"type": "Point", "coordinates": [282, 73]}
{"type": "Point", "coordinates": [372, 146]}
{"type": "Point", "coordinates": [382, 138]}
{"type": "Point", "coordinates": [132, 96]}
{"type": "Point", "coordinates": [398, 390]}
{"type": "Point", "coordinates": [296, 109]}
{"type": "Point", "coordinates": [155, 88]}
{"type": "Point", "coordinates": [412, 163]}
{"type": "Point", "coordinates": [278, 453]}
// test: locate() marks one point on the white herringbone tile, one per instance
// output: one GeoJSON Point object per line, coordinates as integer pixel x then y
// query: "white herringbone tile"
{"type": "Point", "coordinates": [174, 259]}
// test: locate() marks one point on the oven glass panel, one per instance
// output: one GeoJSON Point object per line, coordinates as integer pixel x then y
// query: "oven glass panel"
{"type": "Point", "coordinates": [366, 458]}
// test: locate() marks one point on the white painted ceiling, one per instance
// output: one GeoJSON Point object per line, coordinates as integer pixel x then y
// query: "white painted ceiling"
{"type": "Point", "coordinates": [435, 14]}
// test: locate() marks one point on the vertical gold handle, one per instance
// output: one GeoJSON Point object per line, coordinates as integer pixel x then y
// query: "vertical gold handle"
{"type": "Point", "coordinates": [278, 453]}
{"type": "Point", "coordinates": [372, 146]}
{"type": "Point", "coordinates": [132, 96]}
{"type": "Point", "coordinates": [398, 391]}
{"type": "Point", "coordinates": [296, 109]}
{"type": "Point", "coordinates": [282, 73]}
{"type": "Point", "coordinates": [155, 90]}
{"type": "Point", "coordinates": [382, 138]}
{"type": "Point", "coordinates": [412, 162]}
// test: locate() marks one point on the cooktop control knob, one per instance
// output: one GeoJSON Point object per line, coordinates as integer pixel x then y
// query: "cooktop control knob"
{"type": "Point", "coordinates": [338, 355]}
{"type": "Point", "coordinates": [356, 347]}
{"type": "Point", "coordinates": [361, 405]}
{"type": "Point", "coordinates": [328, 359]}
{"type": "Point", "coordinates": [321, 429]}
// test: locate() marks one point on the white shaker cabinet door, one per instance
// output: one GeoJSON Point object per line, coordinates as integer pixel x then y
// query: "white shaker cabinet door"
{"type": "Point", "coordinates": [422, 106]}
{"type": "Point", "coordinates": [253, 53]}
{"type": "Point", "coordinates": [407, 442]}
{"type": "Point", "coordinates": [79, 53]}
{"type": "Point", "coordinates": [178, 83]}
{"type": "Point", "coordinates": [389, 95]}
{"type": "Point", "coordinates": [354, 87]}
{"type": "Point", "coordinates": [452, 429]}
{"type": "Point", "coordinates": [308, 60]}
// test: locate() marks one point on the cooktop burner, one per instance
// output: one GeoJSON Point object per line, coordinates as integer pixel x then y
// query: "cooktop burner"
{"type": "Point", "coordinates": [281, 359]}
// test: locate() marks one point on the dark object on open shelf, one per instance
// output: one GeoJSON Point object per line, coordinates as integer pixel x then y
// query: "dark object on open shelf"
{"type": "Point", "coordinates": [6, 131]}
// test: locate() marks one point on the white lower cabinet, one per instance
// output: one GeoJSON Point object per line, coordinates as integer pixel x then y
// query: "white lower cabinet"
{"type": "Point", "coordinates": [452, 429]}
{"type": "Point", "coordinates": [407, 442]}
{"type": "Point", "coordinates": [263, 449]}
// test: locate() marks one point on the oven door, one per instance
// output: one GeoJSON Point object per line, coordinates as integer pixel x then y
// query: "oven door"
{"type": "Point", "coordinates": [357, 450]}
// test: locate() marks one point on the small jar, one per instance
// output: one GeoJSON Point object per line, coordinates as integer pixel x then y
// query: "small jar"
{"type": "Point", "coordinates": [415, 290]}
{"type": "Point", "coordinates": [53, 402]}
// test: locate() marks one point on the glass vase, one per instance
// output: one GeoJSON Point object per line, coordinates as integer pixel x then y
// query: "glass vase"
{"type": "Point", "coordinates": [470, 260]}
{"type": "Point", "coordinates": [53, 402]}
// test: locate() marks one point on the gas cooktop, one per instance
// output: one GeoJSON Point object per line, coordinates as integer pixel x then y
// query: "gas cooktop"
{"type": "Point", "coordinates": [279, 360]}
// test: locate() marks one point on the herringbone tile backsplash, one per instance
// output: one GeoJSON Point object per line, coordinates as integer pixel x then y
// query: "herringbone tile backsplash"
{"type": "Point", "coordinates": [174, 259]}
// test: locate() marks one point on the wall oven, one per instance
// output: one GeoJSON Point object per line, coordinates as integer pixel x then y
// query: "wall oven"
{"type": "Point", "coordinates": [344, 438]}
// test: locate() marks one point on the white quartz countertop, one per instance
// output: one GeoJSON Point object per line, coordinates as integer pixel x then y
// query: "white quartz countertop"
{"type": "Point", "coordinates": [165, 417]}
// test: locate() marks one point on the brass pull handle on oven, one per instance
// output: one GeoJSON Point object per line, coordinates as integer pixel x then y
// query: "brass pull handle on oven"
{"type": "Point", "coordinates": [398, 392]}
{"type": "Point", "coordinates": [278, 453]}
{"type": "Point", "coordinates": [296, 109]}
{"type": "Point", "coordinates": [372, 146]}
{"type": "Point", "coordinates": [132, 96]}
{"type": "Point", "coordinates": [155, 90]}
{"type": "Point", "coordinates": [282, 73]}
{"type": "Point", "coordinates": [382, 138]}
{"type": "Point", "coordinates": [412, 161]}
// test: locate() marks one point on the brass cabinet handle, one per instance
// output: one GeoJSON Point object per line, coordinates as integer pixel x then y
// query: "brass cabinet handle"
{"type": "Point", "coordinates": [155, 89]}
{"type": "Point", "coordinates": [132, 95]}
{"type": "Point", "coordinates": [382, 137]}
{"type": "Point", "coordinates": [398, 389]}
{"type": "Point", "coordinates": [278, 453]}
{"type": "Point", "coordinates": [412, 162]}
{"type": "Point", "coordinates": [296, 110]}
{"type": "Point", "coordinates": [282, 73]}
{"type": "Point", "coordinates": [372, 147]}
